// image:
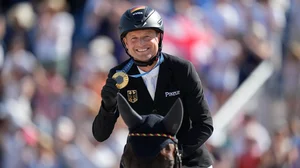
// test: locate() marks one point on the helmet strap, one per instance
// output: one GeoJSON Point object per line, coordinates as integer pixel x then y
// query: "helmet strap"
{"type": "Point", "coordinates": [146, 63]}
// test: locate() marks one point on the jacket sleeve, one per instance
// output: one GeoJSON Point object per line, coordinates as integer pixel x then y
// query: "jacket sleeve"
{"type": "Point", "coordinates": [196, 106]}
{"type": "Point", "coordinates": [104, 122]}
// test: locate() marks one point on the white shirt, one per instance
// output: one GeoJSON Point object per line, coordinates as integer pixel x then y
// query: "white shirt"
{"type": "Point", "coordinates": [150, 80]}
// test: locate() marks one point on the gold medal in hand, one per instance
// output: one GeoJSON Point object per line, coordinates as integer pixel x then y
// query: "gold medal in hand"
{"type": "Point", "coordinates": [121, 79]}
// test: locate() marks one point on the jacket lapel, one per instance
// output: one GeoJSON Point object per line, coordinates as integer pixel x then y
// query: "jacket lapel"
{"type": "Point", "coordinates": [139, 82]}
{"type": "Point", "coordinates": [163, 80]}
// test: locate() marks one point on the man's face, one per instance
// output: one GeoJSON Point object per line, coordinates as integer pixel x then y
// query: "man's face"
{"type": "Point", "coordinates": [142, 44]}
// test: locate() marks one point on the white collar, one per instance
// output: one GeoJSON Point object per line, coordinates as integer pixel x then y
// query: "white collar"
{"type": "Point", "coordinates": [152, 73]}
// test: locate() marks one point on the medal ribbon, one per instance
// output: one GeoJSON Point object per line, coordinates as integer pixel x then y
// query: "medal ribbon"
{"type": "Point", "coordinates": [130, 63]}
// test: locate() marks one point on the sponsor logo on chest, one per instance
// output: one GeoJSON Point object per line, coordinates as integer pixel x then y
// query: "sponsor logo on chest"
{"type": "Point", "coordinates": [171, 94]}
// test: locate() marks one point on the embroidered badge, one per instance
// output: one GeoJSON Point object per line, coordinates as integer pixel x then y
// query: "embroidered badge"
{"type": "Point", "coordinates": [132, 96]}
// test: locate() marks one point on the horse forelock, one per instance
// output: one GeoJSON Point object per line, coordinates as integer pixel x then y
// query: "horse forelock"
{"type": "Point", "coordinates": [165, 158]}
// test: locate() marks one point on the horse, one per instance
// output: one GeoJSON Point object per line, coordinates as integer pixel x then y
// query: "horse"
{"type": "Point", "coordinates": [151, 141]}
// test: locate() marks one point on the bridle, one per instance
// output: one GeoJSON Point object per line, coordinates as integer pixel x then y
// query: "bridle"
{"type": "Point", "coordinates": [178, 161]}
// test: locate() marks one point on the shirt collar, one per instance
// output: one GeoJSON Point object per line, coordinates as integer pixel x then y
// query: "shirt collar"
{"type": "Point", "coordinates": [153, 72]}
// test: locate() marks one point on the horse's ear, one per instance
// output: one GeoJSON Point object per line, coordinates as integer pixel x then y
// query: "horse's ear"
{"type": "Point", "coordinates": [172, 121]}
{"type": "Point", "coordinates": [130, 117]}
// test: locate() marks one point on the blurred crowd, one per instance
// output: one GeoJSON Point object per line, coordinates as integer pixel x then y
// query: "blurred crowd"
{"type": "Point", "coordinates": [55, 56]}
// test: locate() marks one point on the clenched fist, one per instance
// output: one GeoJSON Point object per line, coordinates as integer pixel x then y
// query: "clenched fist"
{"type": "Point", "coordinates": [109, 95]}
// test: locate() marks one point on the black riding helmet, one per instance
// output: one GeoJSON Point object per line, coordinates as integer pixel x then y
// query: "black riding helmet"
{"type": "Point", "coordinates": [141, 17]}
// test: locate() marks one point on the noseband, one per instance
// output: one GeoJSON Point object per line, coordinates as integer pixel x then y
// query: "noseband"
{"type": "Point", "coordinates": [178, 161]}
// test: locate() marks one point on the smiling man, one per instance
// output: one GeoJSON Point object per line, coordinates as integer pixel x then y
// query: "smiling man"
{"type": "Point", "coordinates": [142, 45]}
{"type": "Point", "coordinates": [152, 81]}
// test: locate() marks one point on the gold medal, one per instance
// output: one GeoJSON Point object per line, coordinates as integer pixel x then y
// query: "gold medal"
{"type": "Point", "coordinates": [121, 78]}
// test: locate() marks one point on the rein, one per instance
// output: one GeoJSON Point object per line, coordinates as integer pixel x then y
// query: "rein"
{"type": "Point", "coordinates": [178, 161]}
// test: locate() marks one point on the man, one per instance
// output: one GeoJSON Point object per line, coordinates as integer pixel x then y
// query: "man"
{"type": "Point", "coordinates": [155, 81]}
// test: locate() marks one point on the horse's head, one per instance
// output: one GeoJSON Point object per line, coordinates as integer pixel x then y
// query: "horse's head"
{"type": "Point", "coordinates": [151, 141]}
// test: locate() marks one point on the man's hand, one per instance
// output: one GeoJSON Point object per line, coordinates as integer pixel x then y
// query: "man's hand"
{"type": "Point", "coordinates": [109, 95]}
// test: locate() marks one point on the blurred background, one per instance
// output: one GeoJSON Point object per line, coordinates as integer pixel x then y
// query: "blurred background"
{"type": "Point", "coordinates": [55, 56]}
